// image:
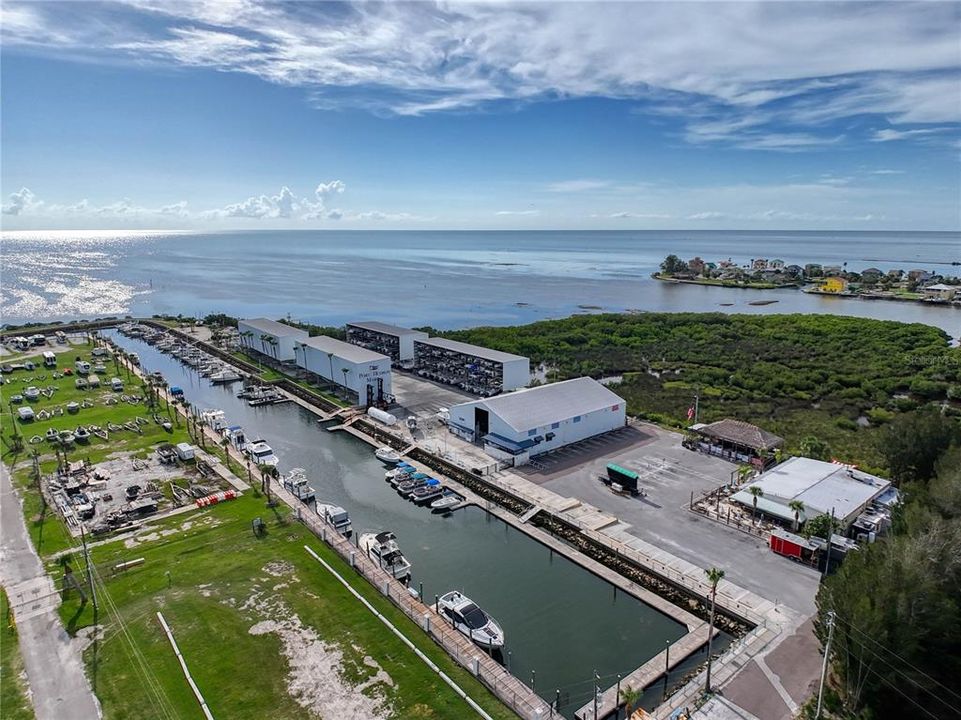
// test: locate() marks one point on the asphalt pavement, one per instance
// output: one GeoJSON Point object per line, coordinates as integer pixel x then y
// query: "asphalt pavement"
{"type": "Point", "coordinates": [58, 685]}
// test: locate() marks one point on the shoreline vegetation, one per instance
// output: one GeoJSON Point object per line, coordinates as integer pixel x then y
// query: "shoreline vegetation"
{"type": "Point", "coordinates": [819, 381]}
{"type": "Point", "coordinates": [917, 285]}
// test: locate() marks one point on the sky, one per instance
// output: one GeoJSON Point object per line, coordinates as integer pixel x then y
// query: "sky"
{"type": "Point", "coordinates": [220, 114]}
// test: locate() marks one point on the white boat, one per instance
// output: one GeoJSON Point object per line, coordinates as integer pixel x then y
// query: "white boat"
{"type": "Point", "coordinates": [336, 516]}
{"type": "Point", "coordinates": [224, 376]}
{"type": "Point", "coordinates": [469, 619]}
{"type": "Point", "coordinates": [296, 482]}
{"type": "Point", "coordinates": [387, 455]}
{"type": "Point", "coordinates": [382, 549]}
{"type": "Point", "coordinates": [446, 501]}
{"type": "Point", "coordinates": [32, 393]}
{"type": "Point", "coordinates": [261, 453]}
{"type": "Point", "coordinates": [216, 420]}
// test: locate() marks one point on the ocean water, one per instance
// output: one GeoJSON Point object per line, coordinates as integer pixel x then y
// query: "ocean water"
{"type": "Point", "coordinates": [445, 279]}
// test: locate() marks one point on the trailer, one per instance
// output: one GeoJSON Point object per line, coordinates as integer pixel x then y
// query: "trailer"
{"type": "Point", "coordinates": [792, 546]}
{"type": "Point", "coordinates": [621, 480]}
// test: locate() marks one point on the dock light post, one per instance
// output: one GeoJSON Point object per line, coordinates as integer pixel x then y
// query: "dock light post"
{"type": "Point", "coordinates": [597, 691]}
{"type": "Point", "coordinates": [667, 656]}
{"type": "Point", "coordinates": [533, 678]}
{"type": "Point", "coordinates": [508, 661]}
{"type": "Point", "coordinates": [617, 695]}
{"type": "Point", "coordinates": [557, 702]}
{"type": "Point", "coordinates": [420, 593]}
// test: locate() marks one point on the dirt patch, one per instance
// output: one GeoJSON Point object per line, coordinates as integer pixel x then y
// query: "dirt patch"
{"type": "Point", "coordinates": [278, 568]}
{"type": "Point", "coordinates": [316, 678]}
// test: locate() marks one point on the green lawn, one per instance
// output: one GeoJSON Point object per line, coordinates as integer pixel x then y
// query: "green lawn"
{"type": "Point", "coordinates": [13, 700]}
{"type": "Point", "coordinates": [270, 375]}
{"type": "Point", "coordinates": [46, 528]}
{"type": "Point", "coordinates": [215, 565]}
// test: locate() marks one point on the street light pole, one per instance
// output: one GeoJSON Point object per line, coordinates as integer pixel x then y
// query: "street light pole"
{"type": "Point", "coordinates": [824, 663]}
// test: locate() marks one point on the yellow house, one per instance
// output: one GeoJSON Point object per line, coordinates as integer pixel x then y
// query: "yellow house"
{"type": "Point", "coordinates": [833, 285]}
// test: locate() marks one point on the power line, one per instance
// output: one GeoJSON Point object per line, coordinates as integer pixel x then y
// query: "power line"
{"type": "Point", "coordinates": [850, 625]}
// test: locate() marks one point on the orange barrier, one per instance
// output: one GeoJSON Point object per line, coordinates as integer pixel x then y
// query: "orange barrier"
{"type": "Point", "coordinates": [218, 497]}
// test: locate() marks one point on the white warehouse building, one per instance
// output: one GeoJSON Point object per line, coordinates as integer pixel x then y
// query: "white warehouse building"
{"type": "Point", "coordinates": [364, 373]}
{"type": "Point", "coordinates": [521, 425]}
{"type": "Point", "coordinates": [270, 337]}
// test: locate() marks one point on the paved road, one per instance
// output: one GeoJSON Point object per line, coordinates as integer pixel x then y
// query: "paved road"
{"type": "Point", "coordinates": [58, 684]}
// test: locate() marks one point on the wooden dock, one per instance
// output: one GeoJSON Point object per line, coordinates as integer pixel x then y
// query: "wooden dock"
{"type": "Point", "coordinates": [648, 673]}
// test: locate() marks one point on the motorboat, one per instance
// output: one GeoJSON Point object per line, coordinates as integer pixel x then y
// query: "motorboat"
{"type": "Point", "coordinates": [81, 434]}
{"type": "Point", "coordinates": [93, 381]}
{"type": "Point", "coordinates": [261, 453]}
{"type": "Point", "coordinates": [216, 420]}
{"type": "Point", "coordinates": [336, 516]}
{"type": "Point", "coordinates": [73, 407]}
{"type": "Point", "coordinates": [81, 383]}
{"type": "Point", "coordinates": [427, 493]}
{"type": "Point", "coordinates": [387, 455]}
{"type": "Point", "coordinates": [224, 376]}
{"type": "Point", "coordinates": [446, 501]}
{"type": "Point", "coordinates": [408, 486]}
{"type": "Point", "coordinates": [398, 474]}
{"type": "Point", "coordinates": [464, 614]}
{"type": "Point", "coordinates": [297, 484]}
{"type": "Point", "coordinates": [411, 481]}
{"type": "Point", "coordinates": [382, 549]}
{"type": "Point", "coordinates": [52, 435]}
{"type": "Point", "coordinates": [32, 393]}
{"type": "Point", "coordinates": [66, 438]}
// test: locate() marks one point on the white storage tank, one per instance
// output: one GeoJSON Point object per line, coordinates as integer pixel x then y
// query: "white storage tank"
{"type": "Point", "coordinates": [382, 416]}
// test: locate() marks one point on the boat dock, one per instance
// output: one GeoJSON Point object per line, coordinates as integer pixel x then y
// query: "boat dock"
{"type": "Point", "coordinates": [647, 674]}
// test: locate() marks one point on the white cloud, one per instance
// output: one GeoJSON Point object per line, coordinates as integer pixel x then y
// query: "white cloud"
{"type": "Point", "coordinates": [887, 171]}
{"type": "Point", "coordinates": [578, 186]}
{"type": "Point", "coordinates": [639, 216]}
{"type": "Point", "coordinates": [518, 212]}
{"type": "Point", "coordinates": [889, 134]}
{"type": "Point", "coordinates": [830, 60]}
{"type": "Point", "coordinates": [707, 215]}
{"type": "Point", "coordinates": [328, 188]}
{"type": "Point", "coordinates": [22, 201]}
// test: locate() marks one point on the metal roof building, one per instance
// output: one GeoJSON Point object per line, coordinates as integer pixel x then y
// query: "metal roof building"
{"type": "Point", "coordinates": [391, 340]}
{"type": "Point", "coordinates": [473, 368]}
{"type": "Point", "coordinates": [534, 421]}
{"type": "Point", "coordinates": [364, 373]}
{"type": "Point", "coordinates": [823, 487]}
{"type": "Point", "coordinates": [269, 337]}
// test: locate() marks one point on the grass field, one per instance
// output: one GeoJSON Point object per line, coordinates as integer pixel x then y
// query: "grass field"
{"type": "Point", "coordinates": [222, 582]}
{"type": "Point", "coordinates": [46, 528]}
{"type": "Point", "coordinates": [13, 700]}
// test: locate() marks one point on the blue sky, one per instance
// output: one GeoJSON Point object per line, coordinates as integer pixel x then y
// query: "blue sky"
{"type": "Point", "coordinates": [220, 114]}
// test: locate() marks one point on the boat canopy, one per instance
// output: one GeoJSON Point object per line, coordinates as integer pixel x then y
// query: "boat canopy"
{"type": "Point", "coordinates": [419, 476]}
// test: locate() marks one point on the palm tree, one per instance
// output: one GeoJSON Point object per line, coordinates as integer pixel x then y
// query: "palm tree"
{"type": "Point", "coordinates": [743, 472]}
{"type": "Point", "coordinates": [714, 576]}
{"type": "Point", "coordinates": [267, 473]}
{"type": "Point", "coordinates": [798, 507]}
{"type": "Point", "coordinates": [756, 491]}
{"type": "Point", "coordinates": [631, 696]}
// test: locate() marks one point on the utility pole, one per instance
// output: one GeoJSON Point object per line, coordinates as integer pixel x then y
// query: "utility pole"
{"type": "Point", "coordinates": [86, 557]}
{"type": "Point", "coordinates": [824, 663]}
{"type": "Point", "coordinates": [697, 402]}
{"type": "Point", "coordinates": [827, 547]}
{"type": "Point", "coordinates": [597, 691]}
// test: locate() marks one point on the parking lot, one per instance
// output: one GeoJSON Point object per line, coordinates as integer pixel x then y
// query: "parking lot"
{"type": "Point", "coordinates": [423, 398]}
{"type": "Point", "coordinates": [669, 473]}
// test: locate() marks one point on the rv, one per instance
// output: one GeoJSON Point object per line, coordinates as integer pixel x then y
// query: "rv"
{"type": "Point", "coordinates": [49, 359]}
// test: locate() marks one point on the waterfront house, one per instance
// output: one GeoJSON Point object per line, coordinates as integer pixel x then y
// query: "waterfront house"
{"type": "Point", "coordinates": [895, 274]}
{"type": "Point", "coordinates": [794, 271]}
{"type": "Point", "coordinates": [832, 270]}
{"type": "Point", "coordinates": [871, 275]}
{"type": "Point", "coordinates": [776, 264]}
{"type": "Point", "coordinates": [696, 266]}
{"type": "Point", "coordinates": [813, 270]}
{"type": "Point", "coordinates": [833, 285]}
{"type": "Point", "coordinates": [940, 291]}
{"type": "Point", "coordinates": [920, 276]}
{"type": "Point", "coordinates": [759, 264]}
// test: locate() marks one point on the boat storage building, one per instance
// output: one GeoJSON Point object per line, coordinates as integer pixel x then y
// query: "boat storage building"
{"type": "Point", "coordinates": [476, 369]}
{"type": "Point", "coordinates": [530, 422]}
{"type": "Point", "coordinates": [364, 373]}
{"type": "Point", "coordinates": [395, 342]}
{"type": "Point", "coordinates": [270, 337]}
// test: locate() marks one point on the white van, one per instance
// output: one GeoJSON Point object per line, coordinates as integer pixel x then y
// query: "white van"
{"type": "Point", "coordinates": [49, 359]}
{"type": "Point", "coordinates": [82, 367]}
{"type": "Point", "coordinates": [116, 384]}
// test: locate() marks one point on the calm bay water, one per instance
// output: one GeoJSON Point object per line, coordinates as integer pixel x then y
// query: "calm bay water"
{"type": "Point", "coordinates": [443, 279]}
{"type": "Point", "coordinates": [560, 621]}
